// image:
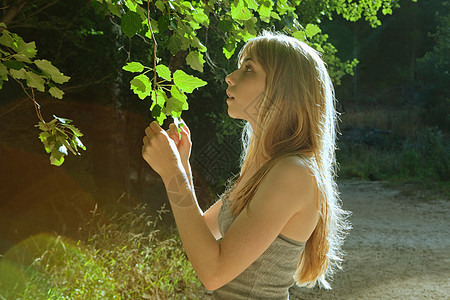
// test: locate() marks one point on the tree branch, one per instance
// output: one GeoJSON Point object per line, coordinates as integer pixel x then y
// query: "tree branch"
{"type": "Point", "coordinates": [13, 11]}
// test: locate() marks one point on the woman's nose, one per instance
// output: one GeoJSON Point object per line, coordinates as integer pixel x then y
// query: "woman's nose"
{"type": "Point", "coordinates": [229, 79]}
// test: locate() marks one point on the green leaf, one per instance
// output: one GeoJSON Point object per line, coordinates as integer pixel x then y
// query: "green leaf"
{"type": "Point", "coordinates": [252, 4]}
{"type": "Point", "coordinates": [158, 114]}
{"type": "Point", "coordinates": [75, 130]}
{"type": "Point", "coordinates": [56, 92]}
{"type": "Point", "coordinates": [155, 28]}
{"type": "Point", "coordinates": [177, 103]}
{"type": "Point", "coordinates": [240, 12]}
{"type": "Point", "coordinates": [196, 42]}
{"type": "Point", "coordinates": [3, 72]}
{"type": "Point", "coordinates": [3, 25]}
{"type": "Point", "coordinates": [200, 16]}
{"type": "Point", "coordinates": [160, 5]}
{"type": "Point", "coordinates": [177, 94]}
{"type": "Point", "coordinates": [18, 74]}
{"type": "Point", "coordinates": [265, 10]}
{"type": "Point", "coordinates": [195, 60]}
{"type": "Point", "coordinates": [311, 30]}
{"type": "Point", "coordinates": [174, 107]}
{"type": "Point", "coordinates": [134, 67]}
{"type": "Point", "coordinates": [159, 97]}
{"type": "Point", "coordinates": [60, 78]}
{"type": "Point", "coordinates": [141, 86]}
{"type": "Point", "coordinates": [163, 72]}
{"type": "Point", "coordinates": [63, 120]}
{"type": "Point", "coordinates": [131, 6]}
{"type": "Point", "coordinates": [115, 9]}
{"type": "Point", "coordinates": [187, 83]}
{"type": "Point", "coordinates": [56, 160]}
{"type": "Point", "coordinates": [79, 143]}
{"type": "Point", "coordinates": [299, 35]}
{"type": "Point", "coordinates": [225, 25]}
{"type": "Point", "coordinates": [6, 39]}
{"type": "Point", "coordinates": [47, 67]}
{"type": "Point", "coordinates": [174, 44]}
{"type": "Point", "coordinates": [274, 15]}
{"type": "Point", "coordinates": [35, 81]}
{"type": "Point", "coordinates": [27, 49]}
{"type": "Point", "coordinates": [131, 23]}
{"type": "Point", "coordinates": [14, 64]}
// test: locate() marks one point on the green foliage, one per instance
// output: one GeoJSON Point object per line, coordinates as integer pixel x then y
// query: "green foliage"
{"type": "Point", "coordinates": [180, 29]}
{"type": "Point", "coordinates": [59, 137]}
{"type": "Point", "coordinates": [17, 61]}
{"type": "Point", "coordinates": [421, 158]}
{"type": "Point", "coordinates": [434, 75]}
{"type": "Point", "coordinates": [129, 257]}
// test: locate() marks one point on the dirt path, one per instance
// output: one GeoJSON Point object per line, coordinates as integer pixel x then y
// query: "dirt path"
{"type": "Point", "coordinates": [399, 247]}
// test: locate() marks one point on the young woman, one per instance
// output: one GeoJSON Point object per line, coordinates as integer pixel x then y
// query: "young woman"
{"type": "Point", "coordinates": [281, 220]}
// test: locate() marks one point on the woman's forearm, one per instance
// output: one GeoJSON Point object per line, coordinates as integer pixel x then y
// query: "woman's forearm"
{"type": "Point", "coordinates": [200, 245]}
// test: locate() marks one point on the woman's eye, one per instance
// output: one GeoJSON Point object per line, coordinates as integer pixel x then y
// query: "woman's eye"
{"type": "Point", "coordinates": [248, 68]}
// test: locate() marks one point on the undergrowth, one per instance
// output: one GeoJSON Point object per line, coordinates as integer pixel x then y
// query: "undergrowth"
{"type": "Point", "coordinates": [127, 257]}
{"type": "Point", "coordinates": [423, 157]}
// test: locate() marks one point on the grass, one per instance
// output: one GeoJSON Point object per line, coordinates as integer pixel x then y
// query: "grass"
{"type": "Point", "coordinates": [128, 257]}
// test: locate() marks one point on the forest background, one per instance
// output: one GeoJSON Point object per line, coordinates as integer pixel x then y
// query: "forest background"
{"type": "Point", "coordinates": [388, 60]}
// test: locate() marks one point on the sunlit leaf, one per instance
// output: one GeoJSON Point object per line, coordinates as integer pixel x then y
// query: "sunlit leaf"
{"type": "Point", "coordinates": [164, 72]}
{"type": "Point", "coordinates": [200, 16]}
{"type": "Point", "coordinates": [252, 4]}
{"type": "Point", "coordinates": [187, 83]}
{"type": "Point", "coordinates": [63, 120]}
{"type": "Point", "coordinates": [159, 97]}
{"type": "Point", "coordinates": [177, 94]}
{"type": "Point", "coordinates": [141, 86]}
{"type": "Point", "coordinates": [311, 30]}
{"type": "Point", "coordinates": [133, 67]}
{"type": "Point", "coordinates": [56, 160]}
{"type": "Point", "coordinates": [240, 12]}
{"type": "Point", "coordinates": [299, 35]}
{"type": "Point", "coordinates": [131, 5]}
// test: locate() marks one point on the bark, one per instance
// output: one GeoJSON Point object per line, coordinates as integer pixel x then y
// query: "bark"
{"type": "Point", "coordinates": [13, 12]}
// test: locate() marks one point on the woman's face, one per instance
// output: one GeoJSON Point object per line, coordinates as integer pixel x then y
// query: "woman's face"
{"type": "Point", "coordinates": [245, 91]}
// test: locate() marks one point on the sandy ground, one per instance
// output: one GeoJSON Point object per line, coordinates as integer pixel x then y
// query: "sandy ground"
{"type": "Point", "coordinates": [399, 247]}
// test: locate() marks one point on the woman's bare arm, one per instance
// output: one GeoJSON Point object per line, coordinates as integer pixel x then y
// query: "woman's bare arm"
{"type": "Point", "coordinates": [211, 219]}
{"type": "Point", "coordinates": [286, 190]}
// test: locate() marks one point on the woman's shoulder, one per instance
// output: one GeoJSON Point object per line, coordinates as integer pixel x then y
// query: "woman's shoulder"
{"type": "Point", "coordinates": [292, 165]}
{"type": "Point", "coordinates": [290, 172]}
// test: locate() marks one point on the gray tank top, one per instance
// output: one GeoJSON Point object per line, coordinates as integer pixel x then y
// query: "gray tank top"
{"type": "Point", "coordinates": [270, 276]}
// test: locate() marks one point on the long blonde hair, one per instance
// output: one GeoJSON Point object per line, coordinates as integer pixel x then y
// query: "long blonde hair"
{"type": "Point", "coordinates": [296, 116]}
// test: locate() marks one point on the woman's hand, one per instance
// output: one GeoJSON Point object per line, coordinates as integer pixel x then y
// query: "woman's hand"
{"type": "Point", "coordinates": [184, 145]}
{"type": "Point", "coordinates": [161, 152]}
